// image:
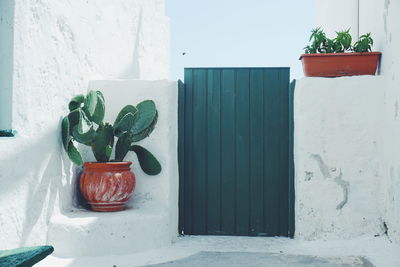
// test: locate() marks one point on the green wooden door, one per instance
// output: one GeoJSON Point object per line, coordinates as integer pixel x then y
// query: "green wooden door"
{"type": "Point", "coordinates": [235, 152]}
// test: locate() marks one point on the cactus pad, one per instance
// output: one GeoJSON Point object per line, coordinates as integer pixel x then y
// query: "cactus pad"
{"type": "Point", "coordinates": [125, 110]}
{"type": "Point", "coordinates": [104, 137]}
{"type": "Point", "coordinates": [65, 136]}
{"type": "Point", "coordinates": [99, 111]}
{"type": "Point", "coordinates": [146, 132]}
{"type": "Point", "coordinates": [145, 116]}
{"type": "Point", "coordinates": [124, 125]}
{"type": "Point", "coordinates": [90, 103]}
{"type": "Point", "coordinates": [74, 154]}
{"type": "Point", "coordinates": [122, 146]}
{"type": "Point", "coordinates": [74, 117]}
{"type": "Point", "coordinates": [76, 102]}
{"type": "Point", "coordinates": [147, 161]}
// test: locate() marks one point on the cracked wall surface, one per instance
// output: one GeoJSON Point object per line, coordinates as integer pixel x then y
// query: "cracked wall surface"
{"type": "Point", "coordinates": [336, 157]}
{"type": "Point", "coordinates": [58, 47]}
{"type": "Point", "coordinates": [382, 19]}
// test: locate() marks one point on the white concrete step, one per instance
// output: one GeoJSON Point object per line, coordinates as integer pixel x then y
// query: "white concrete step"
{"type": "Point", "coordinates": [86, 233]}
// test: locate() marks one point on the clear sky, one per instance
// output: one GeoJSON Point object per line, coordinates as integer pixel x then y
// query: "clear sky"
{"type": "Point", "coordinates": [239, 33]}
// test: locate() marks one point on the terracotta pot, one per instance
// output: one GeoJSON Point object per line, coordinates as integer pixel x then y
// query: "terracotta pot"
{"type": "Point", "coordinates": [340, 64]}
{"type": "Point", "coordinates": [107, 186]}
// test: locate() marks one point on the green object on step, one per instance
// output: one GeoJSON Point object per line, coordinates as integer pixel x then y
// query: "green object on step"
{"type": "Point", "coordinates": [24, 257]}
{"type": "Point", "coordinates": [7, 133]}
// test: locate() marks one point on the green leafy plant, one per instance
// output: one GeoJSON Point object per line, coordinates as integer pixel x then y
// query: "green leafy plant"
{"type": "Point", "coordinates": [342, 43]}
{"type": "Point", "coordinates": [364, 44]}
{"type": "Point", "coordinates": [320, 43]}
{"type": "Point", "coordinates": [317, 40]}
{"type": "Point", "coordinates": [84, 124]}
{"type": "Point", "coordinates": [328, 46]}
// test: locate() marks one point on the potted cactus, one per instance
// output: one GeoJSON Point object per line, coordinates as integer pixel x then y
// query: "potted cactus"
{"type": "Point", "coordinates": [108, 184]}
{"type": "Point", "coordinates": [337, 57]}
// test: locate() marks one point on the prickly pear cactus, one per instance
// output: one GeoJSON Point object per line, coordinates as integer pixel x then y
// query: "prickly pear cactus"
{"type": "Point", "coordinates": [84, 124]}
{"type": "Point", "coordinates": [79, 125]}
{"type": "Point", "coordinates": [133, 124]}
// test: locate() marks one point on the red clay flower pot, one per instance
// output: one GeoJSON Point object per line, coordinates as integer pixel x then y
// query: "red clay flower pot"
{"type": "Point", "coordinates": [340, 64]}
{"type": "Point", "coordinates": [107, 186]}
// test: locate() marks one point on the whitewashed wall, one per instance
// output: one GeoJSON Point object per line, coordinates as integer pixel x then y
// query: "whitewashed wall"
{"type": "Point", "coordinates": [382, 19]}
{"type": "Point", "coordinates": [6, 62]}
{"type": "Point", "coordinates": [58, 47]}
{"type": "Point", "coordinates": [338, 127]}
{"type": "Point", "coordinates": [337, 15]}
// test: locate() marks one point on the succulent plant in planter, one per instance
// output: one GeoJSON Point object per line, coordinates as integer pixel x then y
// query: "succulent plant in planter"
{"type": "Point", "coordinates": [108, 184]}
{"type": "Point", "coordinates": [336, 57]}
{"type": "Point", "coordinates": [364, 44]}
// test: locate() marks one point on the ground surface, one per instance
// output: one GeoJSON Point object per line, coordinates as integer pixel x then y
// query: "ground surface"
{"type": "Point", "coordinates": [378, 251]}
{"type": "Point", "coordinates": [233, 259]}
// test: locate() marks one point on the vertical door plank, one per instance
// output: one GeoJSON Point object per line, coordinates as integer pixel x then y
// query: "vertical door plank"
{"type": "Point", "coordinates": [242, 151]}
{"type": "Point", "coordinates": [256, 152]}
{"type": "Point", "coordinates": [181, 154]}
{"type": "Point", "coordinates": [283, 94]}
{"type": "Point", "coordinates": [228, 152]}
{"type": "Point", "coordinates": [199, 151]}
{"type": "Point", "coordinates": [271, 146]}
{"type": "Point", "coordinates": [188, 152]}
{"type": "Point", "coordinates": [214, 151]}
{"type": "Point", "coordinates": [291, 162]}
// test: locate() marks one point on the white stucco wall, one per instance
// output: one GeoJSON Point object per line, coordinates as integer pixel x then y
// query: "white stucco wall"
{"type": "Point", "coordinates": [381, 18]}
{"type": "Point", "coordinates": [6, 61]}
{"type": "Point", "coordinates": [337, 15]}
{"type": "Point", "coordinates": [58, 47]}
{"type": "Point", "coordinates": [337, 145]}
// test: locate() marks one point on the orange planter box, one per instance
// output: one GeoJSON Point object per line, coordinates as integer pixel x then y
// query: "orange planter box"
{"type": "Point", "coordinates": [340, 64]}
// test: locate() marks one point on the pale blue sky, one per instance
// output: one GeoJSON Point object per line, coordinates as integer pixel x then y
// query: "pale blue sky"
{"type": "Point", "coordinates": [239, 33]}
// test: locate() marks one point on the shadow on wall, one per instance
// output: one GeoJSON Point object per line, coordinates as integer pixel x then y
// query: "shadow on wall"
{"type": "Point", "coordinates": [133, 71]}
{"type": "Point", "coordinates": [31, 178]}
{"type": "Point", "coordinates": [38, 180]}
{"type": "Point", "coordinates": [7, 8]}
{"type": "Point", "coordinates": [46, 183]}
